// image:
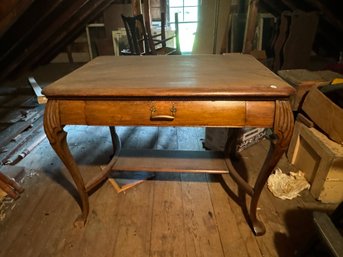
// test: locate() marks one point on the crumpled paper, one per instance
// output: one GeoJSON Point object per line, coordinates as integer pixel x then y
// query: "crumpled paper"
{"type": "Point", "coordinates": [286, 186]}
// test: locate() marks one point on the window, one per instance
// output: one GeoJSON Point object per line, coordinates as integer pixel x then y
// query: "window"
{"type": "Point", "coordinates": [188, 20]}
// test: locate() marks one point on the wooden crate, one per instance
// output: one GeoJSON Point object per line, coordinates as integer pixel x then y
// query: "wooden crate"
{"type": "Point", "coordinates": [304, 80]}
{"type": "Point", "coordinates": [321, 159]}
{"type": "Point", "coordinates": [325, 114]}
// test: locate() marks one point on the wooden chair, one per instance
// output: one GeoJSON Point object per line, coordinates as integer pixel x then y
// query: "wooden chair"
{"type": "Point", "coordinates": [137, 36]}
{"type": "Point", "coordinates": [142, 42]}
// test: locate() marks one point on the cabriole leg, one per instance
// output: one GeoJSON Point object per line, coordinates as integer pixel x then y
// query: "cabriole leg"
{"type": "Point", "coordinates": [58, 140]}
{"type": "Point", "coordinates": [283, 129]}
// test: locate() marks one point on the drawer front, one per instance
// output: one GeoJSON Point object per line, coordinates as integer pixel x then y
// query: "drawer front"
{"type": "Point", "coordinates": [160, 113]}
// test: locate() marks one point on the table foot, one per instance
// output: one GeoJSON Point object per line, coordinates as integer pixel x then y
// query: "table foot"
{"type": "Point", "coordinates": [258, 228]}
{"type": "Point", "coordinates": [80, 221]}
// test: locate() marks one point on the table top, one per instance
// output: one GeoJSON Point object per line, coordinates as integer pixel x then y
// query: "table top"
{"type": "Point", "coordinates": [231, 75]}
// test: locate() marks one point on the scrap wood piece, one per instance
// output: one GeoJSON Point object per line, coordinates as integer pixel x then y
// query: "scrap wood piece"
{"type": "Point", "coordinates": [24, 152]}
{"type": "Point", "coordinates": [121, 180]}
{"type": "Point", "coordinates": [12, 131]}
{"type": "Point", "coordinates": [304, 120]}
{"type": "Point", "coordinates": [22, 139]}
{"type": "Point", "coordinates": [298, 45]}
{"type": "Point", "coordinates": [10, 117]}
{"type": "Point", "coordinates": [8, 181]}
{"type": "Point", "coordinates": [41, 99]}
{"type": "Point", "coordinates": [8, 189]}
{"type": "Point", "coordinates": [250, 26]}
{"type": "Point", "coordinates": [325, 114]}
{"type": "Point", "coordinates": [303, 77]}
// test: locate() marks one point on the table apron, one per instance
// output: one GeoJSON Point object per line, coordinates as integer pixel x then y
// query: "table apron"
{"type": "Point", "coordinates": [219, 113]}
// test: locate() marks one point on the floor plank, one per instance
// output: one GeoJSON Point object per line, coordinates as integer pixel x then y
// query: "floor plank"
{"type": "Point", "coordinates": [231, 240]}
{"type": "Point", "coordinates": [167, 231]}
{"type": "Point", "coordinates": [168, 225]}
{"type": "Point", "coordinates": [170, 215]}
{"type": "Point", "coordinates": [235, 203]}
{"type": "Point", "coordinates": [202, 235]}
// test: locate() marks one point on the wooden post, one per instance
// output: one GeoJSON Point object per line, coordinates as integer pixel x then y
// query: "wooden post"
{"type": "Point", "coordinates": [136, 7]}
{"type": "Point", "coordinates": [147, 20]}
{"type": "Point", "coordinates": [147, 13]}
{"type": "Point", "coordinates": [163, 7]}
{"type": "Point", "coordinates": [250, 26]}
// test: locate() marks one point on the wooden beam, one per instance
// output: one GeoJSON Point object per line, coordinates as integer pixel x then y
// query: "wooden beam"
{"type": "Point", "coordinates": [147, 20]}
{"type": "Point", "coordinates": [27, 28]}
{"type": "Point", "coordinates": [41, 99]}
{"type": "Point", "coordinates": [10, 11]}
{"type": "Point", "coordinates": [163, 6]}
{"type": "Point", "coordinates": [70, 31]}
{"type": "Point", "coordinates": [250, 26]}
{"type": "Point", "coordinates": [40, 42]}
{"type": "Point", "coordinates": [327, 14]}
{"type": "Point", "coordinates": [136, 7]}
{"type": "Point", "coordinates": [147, 13]}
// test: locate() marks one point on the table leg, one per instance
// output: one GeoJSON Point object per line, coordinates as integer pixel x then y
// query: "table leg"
{"type": "Point", "coordinates": [283, 129]}
{"type": "Point", "coordinates": [116, 144]}
{"type": "Point", "coordinates": [103, 175]}
{"type": "Point", "coordinates": [58, 140]}
{"type": "Point", "coordinates": [231, 144]}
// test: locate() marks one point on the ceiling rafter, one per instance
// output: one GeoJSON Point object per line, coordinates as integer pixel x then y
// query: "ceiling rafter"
{"type": "Point", "coordinates": [39, 43]}
{"type": "Point", "coordinates": [26, 27]}
{"type": "Point", "coordinates": [10, 12]}
{"type": "Point", "coordinates": [75, 27]}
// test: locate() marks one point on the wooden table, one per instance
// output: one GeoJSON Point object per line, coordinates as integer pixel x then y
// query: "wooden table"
{"type": "Point", "coordinates": [231, 90]}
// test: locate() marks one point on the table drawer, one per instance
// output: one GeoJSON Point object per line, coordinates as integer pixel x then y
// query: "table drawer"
{"type": "Point", "coordinates": [161, 113]}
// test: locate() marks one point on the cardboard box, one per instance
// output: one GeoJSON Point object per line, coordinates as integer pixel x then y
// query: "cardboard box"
{"type": "Point", "coordinates": [325, 114]}
{"type": "Point", "coordinates": [321, 160]}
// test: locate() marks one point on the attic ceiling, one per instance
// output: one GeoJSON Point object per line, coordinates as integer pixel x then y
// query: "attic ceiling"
{"type": "Point", "coordinates": [329, 37]}
{"type": "Point", "coordinates": [32, 32]}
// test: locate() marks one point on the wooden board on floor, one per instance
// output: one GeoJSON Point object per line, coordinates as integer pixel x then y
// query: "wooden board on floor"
{"type": "Point", "coordinates": [172, 215]}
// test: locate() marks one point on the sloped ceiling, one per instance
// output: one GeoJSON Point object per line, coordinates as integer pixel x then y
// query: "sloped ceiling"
{"type": "Point", "coordinates": [33, 32]}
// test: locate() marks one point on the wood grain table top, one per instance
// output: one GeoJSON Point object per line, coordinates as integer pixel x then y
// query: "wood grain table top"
{"type": "Point", "coordinates": [231, 75]}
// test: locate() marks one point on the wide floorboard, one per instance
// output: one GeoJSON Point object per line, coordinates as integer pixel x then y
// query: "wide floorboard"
{"type": "Point", "coordinates": [172, 214]}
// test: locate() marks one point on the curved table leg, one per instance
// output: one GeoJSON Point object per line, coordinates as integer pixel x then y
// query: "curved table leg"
{"type": "Point", "coordinates": [95, 181]}
{"type": "Point", "coordinates": [231, 143]}
{"type": "Point", "coordinates": [116, 144]}
{"type": "Point", "coordinates": [57, 137]}
{"type": "Point", "coordinates": [283, 129]}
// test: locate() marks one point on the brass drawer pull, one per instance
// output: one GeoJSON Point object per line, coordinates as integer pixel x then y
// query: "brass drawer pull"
{"type": "Point", "coordinates": [162, 117]}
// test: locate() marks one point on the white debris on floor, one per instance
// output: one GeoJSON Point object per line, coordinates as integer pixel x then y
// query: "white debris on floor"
{"type": "Point", "coordinates": [286, 186]}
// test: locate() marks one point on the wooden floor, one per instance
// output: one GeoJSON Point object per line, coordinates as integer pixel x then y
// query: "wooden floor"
{"type": "Point", "coordinates": [171, 215]}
